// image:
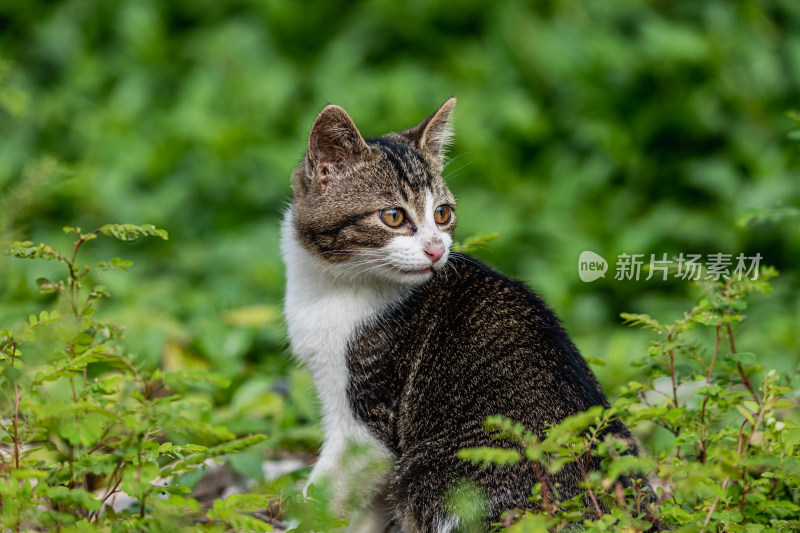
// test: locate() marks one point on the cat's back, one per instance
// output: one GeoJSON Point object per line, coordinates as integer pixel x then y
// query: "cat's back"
{"type": "Point", "coordinates": [468, 344]}
{"type": "Point", "coordinates": [502, 330]}
{"type": "Point", "coordinates": [471, 296]}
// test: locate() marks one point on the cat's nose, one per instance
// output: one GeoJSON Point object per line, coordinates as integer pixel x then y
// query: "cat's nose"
{"type": "Point", "coordinates": [434, 253]}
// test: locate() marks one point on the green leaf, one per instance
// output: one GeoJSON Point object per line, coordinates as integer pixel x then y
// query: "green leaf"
{"type": "Point", "coordinates": [172, 489]}
{"type": "Point", "coordinates": [474, 242]}
{"type": "Point", "coordinates": [747, 358]}
{"type": "Point", "coordinates": [783, 403]}
{"type": "Point", "coordinates": [29, 473]}
{"type": "Point", "coordinates": [746, 413]}
{"type": "Point", "coordinates": [674, 414]}
{"type": "Point", "coordinates": [233, 510]}
{"type": "Point", "coordinates": [81, 343]}
{"type": "Point", "coordinates": [137, 479]}
{"type": "Point", "coordinates": [734, 527]}
{"type": "Point", "coordinates": [641, 319]}
{"type": "Point", "coordinates": [122, 264]}
{"type": "Point", "coordinates": [533, 523]}
{"type": "Point", "coordinates": [26, 250]}
{"type": "Point", "coordinates": [202, 453]}
{"type": "Point", "coordinates": [46, 286]}
{"type": "Point", "coordinates": [486, 456]}
{"type": "Point", "coordinates": [73, 497]}
{"type": "Point", "coordinates": [771, 215]}
{"type": "Point", "coordinates": [651, 413]}
{"type": "Point", "coordinates": [596, 361]}
{"type": "Point", "coordinates": [131, 232]}
{"type": "Point", "coordinates": [99, 291]}
{"type": "Point", "coordinates": [750, 404]}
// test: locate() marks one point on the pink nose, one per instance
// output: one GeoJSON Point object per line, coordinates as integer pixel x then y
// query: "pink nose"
{"type": "Point", "coordinates": [434, 253]}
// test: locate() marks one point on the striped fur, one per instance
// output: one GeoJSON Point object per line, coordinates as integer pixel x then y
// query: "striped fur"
{"type": "Point", "coordinates": [410, 356]}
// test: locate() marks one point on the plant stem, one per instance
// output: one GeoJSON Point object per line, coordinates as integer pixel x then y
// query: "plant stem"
{"type": "Point", "coordinates": [741, 448]}
{"type": "Point", "coordinates": [672, 373]}
{"type": "Point", "coordinates": [16, 411]}
{"type": "Point", "coordinates": [73, 276]}
{"type": "Point", "coordinates": [70, 484]}
{"type": "Point", "coordinates": [598, 512]}
{"type": "Point", "coordinates": [744, 490]}
{"type": "Point", "coordinates": [742, 374]}
{"type": "Point", "coordinates": [705, 400]}
{"type": "Point", "coordinates": [586, 458]}
{"type": "Point", "coordinates": [16, 427]}
{"type": "Point", "coordinates": [546, 504]}
{"type": "Point", "coordinates": [714, 355]}
{"type": "Point", "coordinates": [118, 470]}
{"type": "Point", "coordinates": [703, 431]}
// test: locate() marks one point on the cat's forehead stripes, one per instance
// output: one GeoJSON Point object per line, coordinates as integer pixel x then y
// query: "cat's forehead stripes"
{"type": "Point", "coordinates": [415, 206]}
{"type": "Point", "coordinates": [411, 174]}
{"type": "Point", "coordinates": [410, 169]}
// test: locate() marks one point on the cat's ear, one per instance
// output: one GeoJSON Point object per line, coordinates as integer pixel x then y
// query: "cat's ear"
{"type": "Point", "coordinates": [334, 144]}
{"type": "Point", "coordinates": [433, 134]}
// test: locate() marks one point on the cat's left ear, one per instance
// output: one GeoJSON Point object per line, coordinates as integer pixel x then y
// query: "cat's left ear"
{"type": "Point", "coordinates": [333, 145]}
{"type": "Point", "coordinates": [433, 135]}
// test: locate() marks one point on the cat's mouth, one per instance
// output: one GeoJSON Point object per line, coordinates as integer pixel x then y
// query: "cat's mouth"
{"type": "Point", "coordinates": [419, 272]}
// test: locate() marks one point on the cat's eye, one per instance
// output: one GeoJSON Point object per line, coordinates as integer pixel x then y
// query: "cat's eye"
{"type": "Point", "coordinates": [391, 217]}
{"type": "Point", "coordinates": [442, 214]}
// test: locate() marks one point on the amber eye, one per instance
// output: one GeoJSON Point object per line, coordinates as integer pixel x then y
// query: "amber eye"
{"type": "Point", "coordinates": [391, 217]}
{"type": "Point", "coordinates": [442, 214]}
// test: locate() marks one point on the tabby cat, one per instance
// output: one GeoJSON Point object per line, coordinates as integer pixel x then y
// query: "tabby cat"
{"type": "Point", "coordinates": [412, 346]}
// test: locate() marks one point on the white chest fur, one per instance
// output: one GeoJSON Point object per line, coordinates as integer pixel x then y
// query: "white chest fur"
{"type": "Point", "coordinates": [322, 314]}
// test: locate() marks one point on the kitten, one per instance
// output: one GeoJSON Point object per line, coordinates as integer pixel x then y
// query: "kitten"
{"type": "Point", "coordinates": [411, 346]}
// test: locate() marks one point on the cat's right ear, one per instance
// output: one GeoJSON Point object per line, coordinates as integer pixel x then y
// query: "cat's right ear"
{"type": "Point", "coordinates": [433, 134]}
{"type": "Point", "coordinates": [334, 144]}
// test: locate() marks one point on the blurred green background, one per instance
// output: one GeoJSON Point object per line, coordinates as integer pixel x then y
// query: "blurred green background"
{"type": "Point", "coordinates": [613, 126]}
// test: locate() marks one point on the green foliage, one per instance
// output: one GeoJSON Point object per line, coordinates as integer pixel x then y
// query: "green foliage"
{"type": "Point", "coordinates": [600, 125]}
{"type": "Point", "coordinates": [82, 423]}
{"type": "Point", "coordinates": [580, 125]}
{"type": "Point", "coordinates": [732, 458]}
{"type": "Point", "coordinates": [486, 456]}
{"type": "Point", "coordinates": [315, 510]}
{"type": "Point", "coordinates": [474, 242]}
{"type": "Point", "coordinates": [466, 502]}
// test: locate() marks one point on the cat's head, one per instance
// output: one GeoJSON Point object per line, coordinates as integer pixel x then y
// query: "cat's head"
{"type": "Point", "coordinates": [375, 209]}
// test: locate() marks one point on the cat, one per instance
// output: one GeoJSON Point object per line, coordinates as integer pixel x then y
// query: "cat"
{"type": "Point", "coordinates": [412, 346]}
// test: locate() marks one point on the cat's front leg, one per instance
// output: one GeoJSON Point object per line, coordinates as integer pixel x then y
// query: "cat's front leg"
{"type": "Point", "coordinates": [353, 472]}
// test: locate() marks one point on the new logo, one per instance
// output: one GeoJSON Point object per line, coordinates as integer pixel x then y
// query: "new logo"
{"type": "Point", "coordinates": [591, 266]}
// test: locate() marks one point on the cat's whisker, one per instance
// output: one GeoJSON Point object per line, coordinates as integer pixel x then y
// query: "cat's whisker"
{"type": "Point", "coordinates": [376, 267]}
{"type": "Point", "coordinates": [455, 172]}
{"type": "Point", "coordinates": [339, 272]}
{"type": "Point", "coordinates": [377, 262]}
{"type": "Point", "coordinates": [354, 252]}
{"type": "Point", "coordinates": [450, 161]}
{"type": "Point", "coordinates": [444, 272]}
{"type": "Point", "coordinates": [452, 266]}
{"type": "Point", "coordinates": [467, 248]}
{"type": "Point", "coordinates": [467, 258]}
